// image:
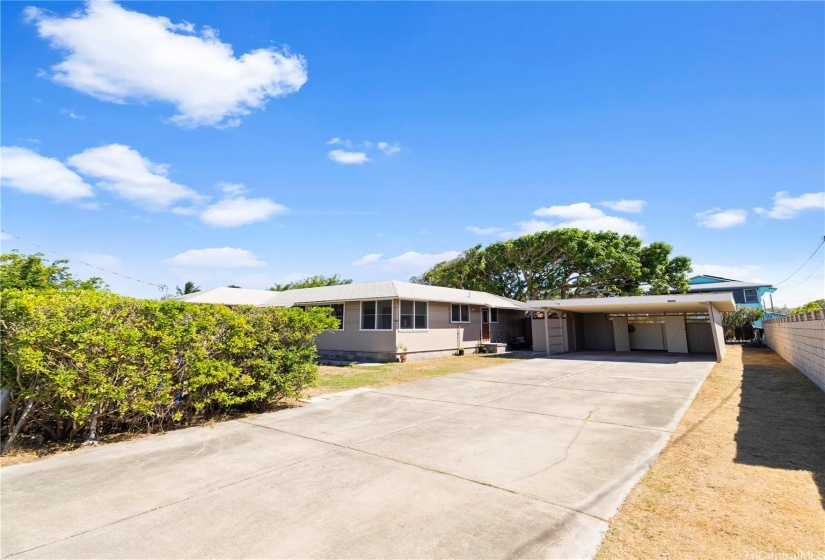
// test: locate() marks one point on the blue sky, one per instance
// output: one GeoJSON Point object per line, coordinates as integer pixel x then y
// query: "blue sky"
{"type": "Point", "coordinates": [253, 143]}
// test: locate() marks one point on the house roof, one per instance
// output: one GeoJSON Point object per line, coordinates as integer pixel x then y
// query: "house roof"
{"type": "Point", "coordinates": [716, 278]}
{"type": "Point", "coordinates": [228, 296]}
{"type": "Point", "coordinates": [388, 289]}
{"type": "Point", "coordinates": [726, 286]}
{"type": "Point", "coordinates": [675, 303]}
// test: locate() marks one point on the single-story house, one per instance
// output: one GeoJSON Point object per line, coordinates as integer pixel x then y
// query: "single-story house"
{"type": "Point", "coordinates": [378, 319]}
{"type": "Point", "coordinates": [679, 323]}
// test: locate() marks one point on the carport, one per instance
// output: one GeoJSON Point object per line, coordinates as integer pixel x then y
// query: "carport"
{"type": "Point", "coordinates": [679, 323]}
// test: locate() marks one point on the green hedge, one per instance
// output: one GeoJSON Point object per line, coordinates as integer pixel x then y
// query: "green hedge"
{"type": "Point", "coordinates": [85, 361]}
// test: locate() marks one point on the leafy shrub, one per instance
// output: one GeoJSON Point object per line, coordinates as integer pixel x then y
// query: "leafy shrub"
{"type": "Point", "coordinates": [87, 360]}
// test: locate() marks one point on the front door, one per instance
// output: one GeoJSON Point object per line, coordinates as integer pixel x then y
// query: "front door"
{"type": "Point", "coordinates": [485, 324]}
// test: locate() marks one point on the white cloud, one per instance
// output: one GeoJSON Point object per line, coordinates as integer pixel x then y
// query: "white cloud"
{"type": "Point", "coordinates": [630, 206]}
{"type": "Point", "coordinates": [372, 258]}
{"type": "Point", "coordinates": [238, 211]}
{"type": "Point", "coordinates": [785, 206]}
{"type": "Point", "coordinates": [119, 55]}
{"type": "Point", "coordinates": [388, 148]}
{"type": "Point", "coordinates": [98, 259]}
{"type": "Point", "coordinates": [577, 211]}
{"type": "Point", "coordinates": [223, 257]}
{"type": "Point", "coordinates": [29, 172]}
{"type": "Point", "coordinates": [72, 114]}
{"type": "Point", "coordinates": [338, 141]}
{"type": "Point", "coordinates": [348, 158]}
{"type": "Point", "coordinates": [745, 272]}
{"type": "Point", "coordinates": [484, 230]}
{"type": "Point", "coordinates": [580, 215]}
{"type": "Point", "coordinates": [5, 236]}
{"type": "Point", "coordinates": [716, 218]}
{"type": "Point", "coordinates": [126, 173]}
{"type": "Point", "coordinates": [233, 189]}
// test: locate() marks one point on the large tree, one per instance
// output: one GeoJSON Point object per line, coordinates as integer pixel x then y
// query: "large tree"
{"type": "Point", "coordinates": [22, 272]}
{"type": "Point", "coordinates": [311, 282]}
{"type": "Point", "coordinates": [564, 263]}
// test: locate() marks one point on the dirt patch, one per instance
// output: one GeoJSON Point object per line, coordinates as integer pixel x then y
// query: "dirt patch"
{"type": "Point", "coordinates": [332, 379]}
{"type": "Point", "coordinates": [743, 475]}
{"type": "Point", "coordinates": [27, 449]}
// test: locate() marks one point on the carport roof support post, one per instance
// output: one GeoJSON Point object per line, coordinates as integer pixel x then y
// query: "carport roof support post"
{"type": "Point", "coordinates": [718, 331]}
{"type": "Point", "coordinates": [546, 333]}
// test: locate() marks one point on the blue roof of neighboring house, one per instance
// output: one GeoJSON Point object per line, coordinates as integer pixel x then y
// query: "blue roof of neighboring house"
{"type": "Point", "coordinates": [705, 283]}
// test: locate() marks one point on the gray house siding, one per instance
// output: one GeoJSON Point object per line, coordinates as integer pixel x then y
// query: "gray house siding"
{"type": "Point", "coordinates": [354, 344]}
{"type": "Point", "coordinates": [442, 337]}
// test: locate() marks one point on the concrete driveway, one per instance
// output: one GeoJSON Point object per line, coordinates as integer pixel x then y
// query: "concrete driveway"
{"type": "Point", "coordinates": [524, 460]}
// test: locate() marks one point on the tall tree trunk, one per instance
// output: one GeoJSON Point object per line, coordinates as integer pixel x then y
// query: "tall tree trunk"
{"type": "Point", "coordinates": [18, 426]}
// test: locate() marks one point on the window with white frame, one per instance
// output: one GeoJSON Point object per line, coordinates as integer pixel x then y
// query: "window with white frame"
{"type": "Point", "coordinates": [493, 315]}
{"type": "Point", "coordinates": [413, 314]}
{"type": "Point", "coordinates": [337, 312]}
{"type": "Point", "coordinates": [751, 296]}
{"type": "Point", "coordinates": [376, 315]}
{"type": "Point", "coordinates": [460, 313]}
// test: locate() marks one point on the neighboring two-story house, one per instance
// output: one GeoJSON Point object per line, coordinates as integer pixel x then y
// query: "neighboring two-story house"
{"type": "Point", "coordinates": [745, 294]}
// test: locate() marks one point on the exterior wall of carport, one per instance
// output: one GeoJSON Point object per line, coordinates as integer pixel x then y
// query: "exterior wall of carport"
{"type": "Point", "coordinates": [562, 333]}
{"type": "Point", "coordinates": [553, 341]}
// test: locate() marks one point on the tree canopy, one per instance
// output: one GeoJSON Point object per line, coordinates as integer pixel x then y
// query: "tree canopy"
{"type": "Point", "coordinates": [564, 263]}
{"type": "Point", "coordinates": [810, 306]}
{"type": "Point", "coordinates": [312, 282]}
{"type": "Point", "coordinates": [21, 272]}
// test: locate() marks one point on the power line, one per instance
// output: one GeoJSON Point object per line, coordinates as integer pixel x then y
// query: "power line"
{"type": "Point", "coordinates": [161, 287]}
{"type": "Point", "coordinates": [806, 262]}
{"type": "Point", "coordinates": [808, 278]}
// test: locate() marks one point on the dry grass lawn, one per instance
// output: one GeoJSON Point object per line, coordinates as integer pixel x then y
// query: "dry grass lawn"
{"type": "Point", "coordinates": [332, 379]}
{"type": "Point", "coordinates": [743, 475]}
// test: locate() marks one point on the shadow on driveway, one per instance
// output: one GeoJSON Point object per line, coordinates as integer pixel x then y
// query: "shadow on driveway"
{"type": "Point", "coordinates": [781, 417]}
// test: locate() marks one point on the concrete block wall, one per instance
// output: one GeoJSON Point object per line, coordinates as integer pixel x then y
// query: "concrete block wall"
{"type": "Point", "coordinates": [800, 340]}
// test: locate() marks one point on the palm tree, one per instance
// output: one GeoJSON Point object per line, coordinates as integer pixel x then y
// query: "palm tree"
{"type": "Point", "coordinates": [188, 288]}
